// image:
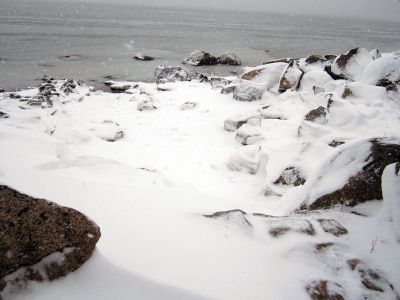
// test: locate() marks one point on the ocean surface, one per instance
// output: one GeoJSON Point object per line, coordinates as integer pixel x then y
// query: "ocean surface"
{"type": "Point", "coordinates": [94, 42]}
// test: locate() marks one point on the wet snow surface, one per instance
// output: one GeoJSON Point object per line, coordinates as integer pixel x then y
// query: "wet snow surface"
{"type": "Point", "coordinates": [189, 210]}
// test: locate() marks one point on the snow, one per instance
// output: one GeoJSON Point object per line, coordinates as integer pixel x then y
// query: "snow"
{"type": "Point", "coordinates": [150, 189]}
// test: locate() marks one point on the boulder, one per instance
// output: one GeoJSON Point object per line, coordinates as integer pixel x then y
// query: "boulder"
{"type": "Point", "coordinates": [108, 130]}
{"type": "Point", "coordinates": [352, 64]}
{"type": "Point", "coordinates": [356, 170]}
{"type": "Point", "coordinates": [229, 59]}
{"type": "Point", "coordinates": [333, 227]}
{"type": "Point", "coordinates": [163, 74]}
{"type": "Point", "coordinates": [40, 240]}
{"type": "Point", "coordinates": [234, 122]}
{"type": "Point", "coordinates": [146, 105]}
{"type": "Point", "coordinates": [291, 77]}
{"type": "Point", "coordinates": [200, 58]}
{"type": "Point", "coordinates": [281, 226]}
{"type": "Point", "coordinates": [312, 59]}
{"type": "Point", "coordinates": [290, 176]}
{"type": "Point", "coordinates": [143, 57]}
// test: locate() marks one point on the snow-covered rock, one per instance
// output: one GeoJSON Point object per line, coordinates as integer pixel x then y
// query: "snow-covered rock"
{"type": "Point", "coordinates": [249, 91]}
{"type": "Point", "coordinates": [246, 158]}
{"type": "Point", "coordinates": [313, 79]}
{"type": "Point", "coordinates": [383, 69]}
{"type": "Point", "coordinates": [391, 192]}
{"type": "Point", "coordinates": [200, 58]}
{"type": "Point", "coordinates": [352, 64]}
{"type": "Point", "coordinates": [248, 134]}
{"type": "Point", "coordinates": [163, 74]}
{"type": "Point", "coordinates": [237, 120]}
{"type": "Point", "coordinates": [290, 77]}
{"type": "Point", "coordinates": [143, 57]}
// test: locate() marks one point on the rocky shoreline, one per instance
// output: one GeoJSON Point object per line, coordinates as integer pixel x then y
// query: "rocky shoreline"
{"type": "Point", "coordinates": [321, 131]}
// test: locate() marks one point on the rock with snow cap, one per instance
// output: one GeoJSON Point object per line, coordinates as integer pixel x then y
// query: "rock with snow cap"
{"type": "Point", "coordinates": [200, 58]}
{"type": "Point", "coordinates": [143, 57]}
{"type": "Point", "coordinates": [249, 91]}
{"type": "Point", "coordinates": [40, 240]}
{"type": "Point", "coordinates": [237, 120]}
{"type": "Point", "coordinates": [290, 77]}
{"type": "Point", "coordinates": [248, 134]}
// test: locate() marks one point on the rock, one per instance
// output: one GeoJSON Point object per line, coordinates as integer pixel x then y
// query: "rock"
{"type": "Point", "coordinates": [291, 176]}
{"type": "Point", "coordinates": [317, 115]}
{"type": "Point", "coordinates": [108, 130]}
{"type": "Point", "coordinates": [313, 80]}
{"type": "Point", "coordinates": [325, 290]}
{"type": "Point", "coordinates": [200, 58]}
{"type": "Point", "coordinates": [364, 161]}
{"type": "Point", "coordinates": [228, 89]}
{"type": "Point", "coordinates": [280, 60]}
{"type": "Point", "coordinates": [3, 115]}
{"type": "Point", "coordinates": [41, 240]}
{"type": "Point", "coordinates": [188, 105]}
{"type": "Point", "coordinates": [281, 226]}
{"type": "Point", "coordinates": [391, 192]}
{"type": "Point", "coordinates": [336, 143]}
{"type": "Point", "coordinates": [347, 92]}
{"type": "Point", "coordinates": [2, 90]}
{"type": "Point", "coordinates": [330, 57]}
{"type": "Point", "coordinates": [248, 134]}
{"type": "Point", "coordinates": [312, 59]}
{"type": "Point", "coordinates": [323, 246]}
{"type": "Point", "coordinates": [251, 74]}
{"type": "Point", "coordinates": [235, 121]}
{"type": "Point", "coordinates": [352, 64]}
{"type": "Point", "coordinates": [372, 279]}
{"type": "Point", "coordinates": [249, 91]}
{"type": "Point", "coordinates": [143, 57]}
{"type": "Point", "coordinates": [235, 216]}
{"type": "Point", "coordinates": [163, 74]}
{"type": "Point", "coordinates": [383, 71]}
{"type": "Point", "coordinates": [120, 86]}
{"type": "Point", "coordinates": [229, 59]}
{"type": "Point", "coordinates": [73, 57]}
{"type": "Point", "coordinates": [291, 77]}
{"type": "Point", "coordinates": [146, 105]}
{"type": "Point", "coordinates": [333, 227]}
{"type": "Point", "coordinates": [245, 158]}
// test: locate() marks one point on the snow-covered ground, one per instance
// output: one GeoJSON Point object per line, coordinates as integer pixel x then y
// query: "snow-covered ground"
{"type": "Point", "coordinates": [172, 162]}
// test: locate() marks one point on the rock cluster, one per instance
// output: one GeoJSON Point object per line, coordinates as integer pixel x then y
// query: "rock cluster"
{"type": "Point", "coordinates": [201, 58]}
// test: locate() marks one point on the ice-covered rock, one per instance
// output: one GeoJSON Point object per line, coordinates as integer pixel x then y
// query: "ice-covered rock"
{"type": "Point", "coordinates": [290, 77]}
{"type": "Point", "coordinates": [391, 192]}
{"type": "Point", "coordinates": [163, 74]}
{"type": "Point", "coordinates": [120, 86]}
{"type": "Point", "coordinates": [229, 59]}
{"type": "Point", "coordinates": [352, 64]}
{"type": "Point", "coordinates": [36, 230]}
{"type": "Point", "coordinates": [237, 120]}
{"type": "Point", "coordinates": [248, 134]}
{"type": "Point", "coordinates": [246, 158]}
{"type": "Point", "coordinates": [200, 58]}
{"type": "Point", "coordinates": [268, 75]}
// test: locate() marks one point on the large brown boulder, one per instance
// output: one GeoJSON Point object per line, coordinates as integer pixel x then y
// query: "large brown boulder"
{"type": "Point", "coordinates": [365, 162]}
{"type": "Point", "coordinates": [41, 239]}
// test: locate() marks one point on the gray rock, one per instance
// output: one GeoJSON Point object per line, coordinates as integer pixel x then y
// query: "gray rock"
{"type": "Point", "coordinates": [200, 58]}
{"type": "Point", "coordinates": [163, 74]}
{"type": "Point", "coordinates": [229, 59]}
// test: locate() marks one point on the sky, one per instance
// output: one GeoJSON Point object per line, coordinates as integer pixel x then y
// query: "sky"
{"type": "Point", "coordinates": [370, 9]}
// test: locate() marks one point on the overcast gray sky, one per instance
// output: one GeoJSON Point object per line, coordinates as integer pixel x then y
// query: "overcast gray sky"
{"type": "Point", "coordinates": [371, 9]}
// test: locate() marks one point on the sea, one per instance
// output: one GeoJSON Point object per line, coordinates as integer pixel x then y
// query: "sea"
{"type": "Point", "coordinates": [97, 41]}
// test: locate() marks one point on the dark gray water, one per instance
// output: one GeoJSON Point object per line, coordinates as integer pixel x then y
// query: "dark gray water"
{"type": "Point", "coordinates": [101, 39]}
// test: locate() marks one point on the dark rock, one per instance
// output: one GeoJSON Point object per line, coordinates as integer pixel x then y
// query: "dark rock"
{"type": "Point", "coordinates": [2, 90]}
{"type": "Point", "coordinates": [366, 184]}
{"type": "Point", "coordinates": [73, 57]}
{"type": "Point", "coordinates": [163, 74]}
{"type": "Point", "coordinates": [336, 143]}
{"type": "Point", "coordinates": [229, 59]}
{"type": "Point", "coordinates": [317, 114]}
{"type": "Point", "coordinates": [330, 57]}
{"type": "Point", "coordinates": [41, 239]}
{"type": "Point", "coordinates": [251, 74]}
{"type": "Point", "coordinates": [3, 115]}
{"type": "Point", "coordinates": [291, 176]}
{"type": "Point", "coordinates": [343, 59]}
{"type": "Point", "coordinates": [328, 69]}
{"type": "Point", "coordinates": [200, 58]}
{"type": "Point", "coordinates": [325, 290]}
{"type": "Point", "coordinates": [312, 59]}
{"type": "Point", "coordinates": [143, 57]}
{"type": "Point", "coordinates": [228, 89]}
{"type": "Point", "coordinates": [352, 64]}
{"type": "Point", "coordinates": [347, 92]}
{"type": "Point", "coordinates": [280, 227]}
{"type": "Point", "coordinates": [323, 246]}
{"type": "Point", "coordinates": [333, 227]}
{"type": "Point", "coordinates": [237, 216]}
